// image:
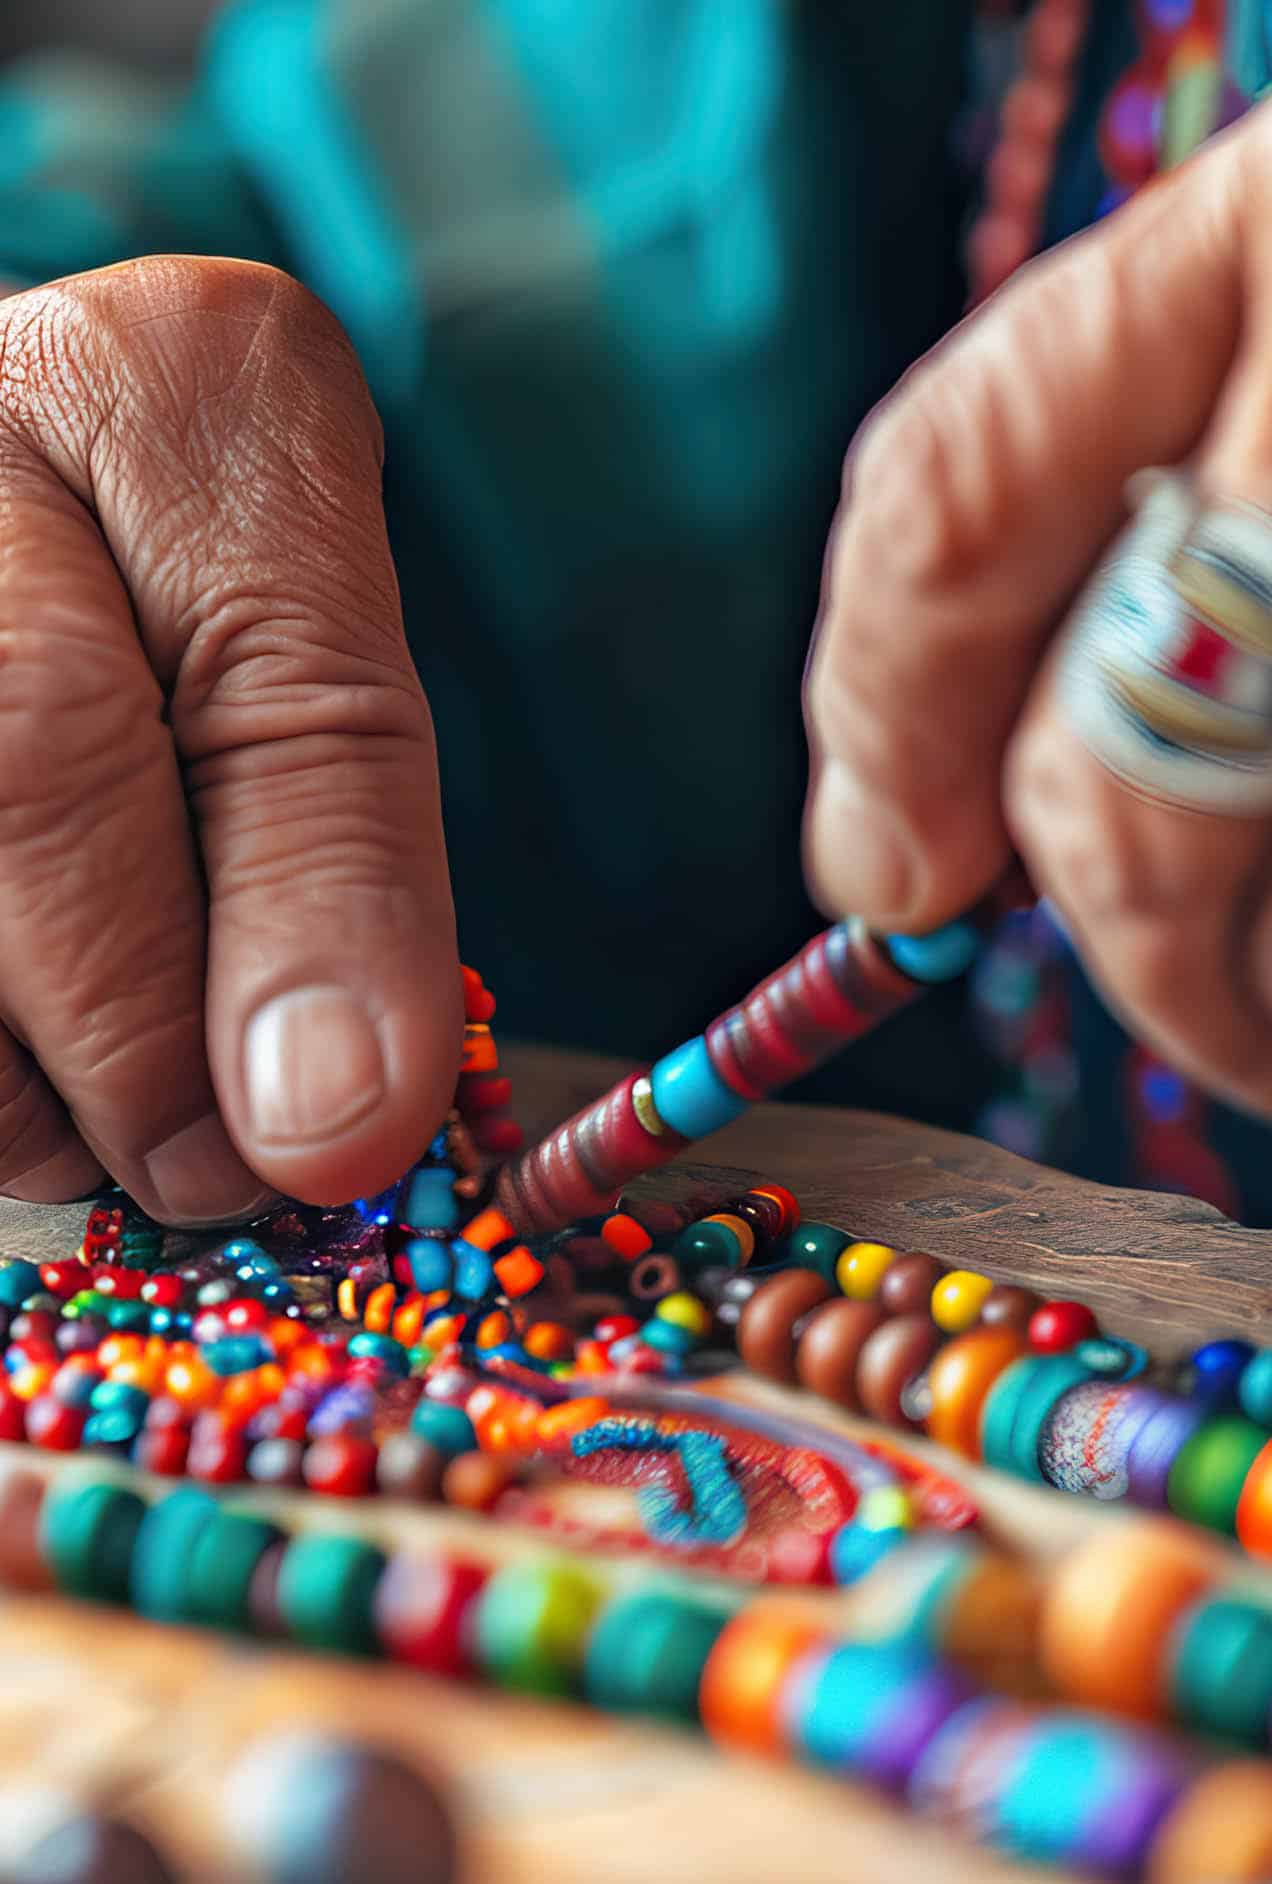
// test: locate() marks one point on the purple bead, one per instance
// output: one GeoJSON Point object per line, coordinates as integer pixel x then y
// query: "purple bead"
{"type": "Point", "coordinates": [905, 1734]}
{"type": "Point", "coordinates": [1155, 1448]}
{"type": "Point", "coordinates": [1118, 1839]}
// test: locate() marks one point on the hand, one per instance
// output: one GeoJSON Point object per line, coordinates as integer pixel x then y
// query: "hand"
{"type": "Point", "coordinates": [227, 953]}
{"type": "Point", "coordinates": [977, 501]}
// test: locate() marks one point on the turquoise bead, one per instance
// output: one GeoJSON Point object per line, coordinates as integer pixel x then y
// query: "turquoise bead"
{"type": "Point", "coordinates": [236, 1354]}
{"type": "Point", "coordinates": [326, 1590]}
{"type": "Point", "coordinates": [474, 1270]}
{"type": "Point", "coordinates": [446, 1427]}
{"type": "Point", "coordinates": [432, 1265]}
{"type": "Point", "coordinates": [1221, 1676]}
{"type": "Point", "coordinates": [88, 1534]}
{"type": "Point", "coordinates": [366, 1344]}
{"type": "Point", "coordinates": [667, 1338]}
{"type": "Point", "coordinates": [689, 1095]}
{"type": "Point", "coordinates": [18, 1279]}
{"type": "Point", "coordinates": [646, 1655]}
{"type": "Point", "coordinates": [941, 956]}
{"type": "Point", "coordinates": [1254, 1390]}
{"type": "Point", "coordinates": [813, 1246]}
{"type": "Point", "coordinates": [129, 1317]}
{"type": "Point", "coordinates": [162, 1554]}
{"type": "Point", "coordinates": [431, 1203]}
{"type": "Point", "coordinates": [221, 1566]}
{"type": "Point", "coordinates": [708, 1246]}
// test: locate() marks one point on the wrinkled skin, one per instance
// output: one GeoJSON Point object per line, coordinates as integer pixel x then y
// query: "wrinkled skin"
{"type": "Point", "coordinates": [976, 502]}
{"type": "Point", "coordinates": [217, 775]}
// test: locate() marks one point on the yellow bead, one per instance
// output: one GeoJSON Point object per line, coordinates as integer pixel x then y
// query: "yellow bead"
{"type": "Point", "coordinates": [888, 1508]}
{"type": "Point", "coordinates": [861, 1268]}
{"type": "Point", "coordinates": [957, 1300]}
{"type": "Point", "coordinates": [683, 1310]}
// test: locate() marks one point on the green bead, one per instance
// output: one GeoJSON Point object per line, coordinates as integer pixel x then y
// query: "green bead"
{"type": "Point", "coordinates": [158, 1586]}
{"type": "Point", "coordinates": [1221, 1679]}
{"type": "Point", "coordinates": [87, 1537]}
{"type": "Point", "coordinates": [707, 1246]}
{"type": "Point", "coordinates": [446, 1427]}
{"type": "Point", "coordinates": [813, 1246]}
{"type": "Point", "coordinates": [87, 1302]}
{"type": "Point", "coordinates": [532, 1624]}
{"type": "Point", "coordinates": [222, 1563]}
{"type": "Point", "coordinates": [128, 1316]}
{"type": "Point", "coordinates": [18, 1279]}
{"type": "Point", "coordinates": [325, 1590]}
{"type": "Point", "coordinates": [1205, 1480]}
{"type": "Point", "coordinates": [647, 1653]}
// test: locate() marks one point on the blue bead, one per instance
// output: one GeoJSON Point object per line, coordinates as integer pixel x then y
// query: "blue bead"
{"type": "Point", "coordinates": [115, 1393]}
{"type": "Point", "coordinates": [1216, 1371]}
{"type": "Point", "coordinates": [689, 1095]}
{"type": "Point", "coordinates": [432, 1266]}
{"type": "Point", "coordinates": [941, 956]}
{"type": "Point", "coordinates": [19, 1279]}
{"type": "Point", "coordinates": [381, 1347]}
{"type": "Point", "coordinates": [242, 1253]}
{"type": "Point", "coordinates": [855, 1550]}
{"type": "Point", "coordinates": [667, 1338]}
{"type": "Point", "coordinates": [1255, 1389]}
{"type": "Point", "coordinates": [430, 1202]}
{"type": "Point", "coordinates": [236, 1354]}
{"type": "Point", "coordinates": [474, 1271]}
{"type": "Point", "coordinates": [115, 1426]}
{"type": "Point", "coordinates": [446, 1427]}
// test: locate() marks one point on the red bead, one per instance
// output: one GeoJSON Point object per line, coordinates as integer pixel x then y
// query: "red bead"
{"type": "Point", "coordinates": [35, 1349]}
{"type": "Point", "coordinates": [1058, 1326]}
{"type": "Point", "coordinates": [35, 1324]}
{"type": "Point", "coordinates": [163, 1291]}
{"type": "Point", "coordinates": [218, 1453]}
{"type": "Point", "coordinates": [615, 1328]}
{"type": "Point", "coordinates": [162, 1450]}
{"type": "Point", "coordinates": [421, 1609]}
{"type": "Point", "coordinates": [54, 1425]}
{"type": "Point", "coordinates": [165, 1411]}
{"type": "Point", "coordinates": [500, 1137]}
{"type": "Point", "coordinates": [340, 1464]}
{"type": "Point", "coordinates": [482, 1092]}
{"type": "Point", "coordinates": [13, 1413]}
{"type": "Point", "coordinates": [124, 1285]}
{"type": "Point", "coordinates": [800, 1556]}
{"type": "Point", "coordinates": [246, 1316]}
{"type": "Point", "coordinates": [64, 1278]}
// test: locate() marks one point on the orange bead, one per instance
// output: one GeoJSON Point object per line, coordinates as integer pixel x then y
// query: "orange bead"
{"type": "Point", "coordinates": [32, 1379]}
{"type": "Point", "coordinates": [312, 1360]}
{"type": "Point", "coordinates": [146, 1372]}
{"type": "Point", "coordinates": [1110, 1609]}
{"type": "Point", "coordinates": [557, 1425]}
{"type": "Point", "coordinates": [192, 1384]}
{"type": "Point", "coordinates": [548, 1341]}
{"type": "Point", "coordinates": [480, 1054]}
{"type": "Point", "coordinates": [474, 1481]}
{"type": "Point", "coordinates": [518, 1272]}
{"type": "Point", "coordinates": [626, 1237]}
{"type": "Point", "coordinates": [494, 1329]}
{"type": "Point", "coordinates": [959, 1380]}
{"type": "Point", "coordinates": [740, 1228]}
{"type": "Point", "coordinates": [119, 1347]}
{"type": "Point", "coordinates": [1254, 1508]}
{"type": "Point", "coordinates": [285, 1335]}
{"type": "Point", "coordinates": [746, 1674]}
{"type": "Point", "coordinates": [1221, 1830]}
{"type": "Point", "coordinates": [409, 1320]}
{"type": "Point", "coordinates": [347, 1299]}
{"type": "Point", "coordinates": [377, 1313]}
{"type": "Point", "coordinates": [479, 1003]}
{"type": "Point", "coordinates": [590, 1358]}
{"type": "Point", "coordinates": [441, 1332]}
{"type": "Point", "coordinates": [487, 1228]}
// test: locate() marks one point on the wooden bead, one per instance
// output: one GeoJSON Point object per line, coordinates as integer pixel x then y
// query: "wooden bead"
{"type": "Point", "coordinates": [908, 1283]}
{"type": "Point", "coordinates": [890, 1359]}
{"type": "Point", "coordinates": [1221, 1830]}
{"type": "Point", "coordinates": [1110, 1609]}
{"type": "Point", "coordinates": [765, 1327]}
{"type": "Point", "coordinates": [1008, 1307]}
{"type": "Point", "coordinates": [959, 1381]}
{"type": "Point", "coordinates": [829, 1347]}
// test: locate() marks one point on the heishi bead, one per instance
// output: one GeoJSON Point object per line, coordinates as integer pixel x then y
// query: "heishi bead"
{"type": "Point", "coordinates": [690, 1095]}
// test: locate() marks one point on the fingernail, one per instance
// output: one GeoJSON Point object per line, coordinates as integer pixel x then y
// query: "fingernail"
{"type": "Point", "coordinates": [314, 1066]}
{"type": "Point", "coordinates": [198, 1177]}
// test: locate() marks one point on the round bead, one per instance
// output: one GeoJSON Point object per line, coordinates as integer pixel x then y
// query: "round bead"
{"type": "Point", "coordinates": [1008, 1307]}
{"type": "Point", "coordinates": [988, 1623]}
{"type": "Point", "coordinates": [861, 1268]}
{"type": "Point", "coordinates": [1215, 1372]}
{"type": "Point", "coordinates": [531, 1624]}
{"type": "Point", "coordinates": [340, 1465]}
{"type": "Point", "coordinates": [87, 1535]}
{"type": "Point", "coordinates": [894, 1355]}
{"type": "Point", "coordinates": [1155, 1448]}
{"type": "Point", "coordinates": [162, 1552]}
{"type": "Point", "coordinates": [18, 1280]}
{"type": "Point", "coordinates": [1057, 1326]}
{"type": "Point", "coordinates": [422, 1611]}
{"type": "Point", "coordinates": [786, 1202]}
{"type": "Point", "coordinates": [830, 1345]}
{"type": "Point", "coordinates": [326, 1586]}
{"type": "Point", "coordinates": [1109, 1611]}
{"type": "Point", "coordinates": [91, 1850]}
{"type": "Point", "coordinates": [816, 1246]}
{"type": "Point", "coordinates": [409, 1467]}
{"type": "Point", "coordinates": [959, 1382]}
{"type": "Point", "coordinates": [326, 1811]}
{"type": "Point", "coordinates": [1220, 1830]}
{"type": "Point", "coordinates": [1221, 1670]}
{"type": "Point", "coordinates": [685, 1311]}
{"type": "Point", "coordinates": [709, 1244]}
{"type": "Point", "coordinates": [647, 1652]}
{"type": "Point", "coordinates": [446, 1427]}
{"type": "Point", "coordinates": [765, 1328]}
{"type": "Point", "coordinates": [1207, 1478]}
{"type": "Point", "coordinates": [1254, 1389]}
{"type": "Point", "coordinates": [474, 1481]}
{"type": "Point", "coordinates": [223, 1561]}
{"type": "Point", "coordinates": [957, 1300]}
{"type": "Point", "coordinates": [1088, 1436]}
{"type": "Point", "coordinates": [871, 1710]}
{"type": "Point", "coordinates": [740, 1228]}
{"type": "Point", "coordinates": [740, 1699]}
{"type": "Point", "coordinates": [1085, 1793]}
{"type": "Point", "coordinates": [908, 1283]}
{"type": "Point", "coordinates": [1254, 1508]}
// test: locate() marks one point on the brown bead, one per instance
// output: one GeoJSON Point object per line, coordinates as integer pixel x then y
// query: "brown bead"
{"type": "Point", "coordinates": [22, 1565]}
{"type": "Point", "coordinates": [766, 1326]}
{"type": "Point", "coordinates": [92, 1850]}
{"type": "Point", "coordinates": [475, 1480]}
{"type": "Point", "coordinates": [833, 1337]}
{"type": "Point", "coordinates": [409, 1467]}
{"type": "Point", "coordinates": [263, 1605]}
{"type": "Point", "coordinates": [892, 1356]}
{"type": "Point", "coordinates": [653, 1277]}
{"type": "Point", "coordinates": [908, 1283]}
{"type": "Point", "coordinates": [1008, 1307]}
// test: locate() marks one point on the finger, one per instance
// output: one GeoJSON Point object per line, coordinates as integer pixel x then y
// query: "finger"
{"type": "Point", "coordinates": [978, 498]}
{"type": "Point", "coordinates": [101, 923]}
{"type": "Point", "coordinates": [43, 1159]}
{"type": "Point", "coordinates": [334, 1007]}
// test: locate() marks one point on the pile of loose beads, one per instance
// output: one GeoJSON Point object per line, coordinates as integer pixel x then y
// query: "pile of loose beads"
{"type": "Point", "coordinates": [1029, 1386]}
{"type": "Point", "coordinates": [1137, 1623]}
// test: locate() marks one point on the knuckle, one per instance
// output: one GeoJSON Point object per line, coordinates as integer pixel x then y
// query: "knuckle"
{"type": "Point", "coordinates": [29, 1125]}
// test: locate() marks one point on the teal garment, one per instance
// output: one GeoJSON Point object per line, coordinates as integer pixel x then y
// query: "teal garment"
{"type": "Point", "coordinates": [624, 278]}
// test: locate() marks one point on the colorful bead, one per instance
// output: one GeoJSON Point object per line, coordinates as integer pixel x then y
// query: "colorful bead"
{"type": "Point", "coordinates": [87, 1535]}
{"type": "Point", "coordinates": [957, 1300]}
{"type": "Point", "coordinates": [689, 1093]}
{"type": "Point", "coordinates": [1058, 1326]}
{"type": "Point", "coordinates": [860, 1269]}
{"type": "Point", "coordinates": [531, 1627]}
{"type": "Point", "coordinates": [1215, 1372]}
{"type": "Point", "coordinates": [741, 1697]}
{"type": "Point", "coordinates": [1207, 1477]}
{"type": "Point", "coordinates": [326, 1590]}
{"type": "Point", "coordinates": [941, 956]}
{"type": "Point", "coordinates": [959, 1382]}
{"type": "Point", "coordinates": [422, 1610]}
{"type": "Point", "coordinates": [816, 1246]}
{"type": "Point", "coordinates": [1254, 1388]}
{"type": "Point", "coordinates": [646, 1655]}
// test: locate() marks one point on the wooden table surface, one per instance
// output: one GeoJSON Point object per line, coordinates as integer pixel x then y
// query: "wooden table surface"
{"type": "Point", "coordinates": [149, 1717]}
